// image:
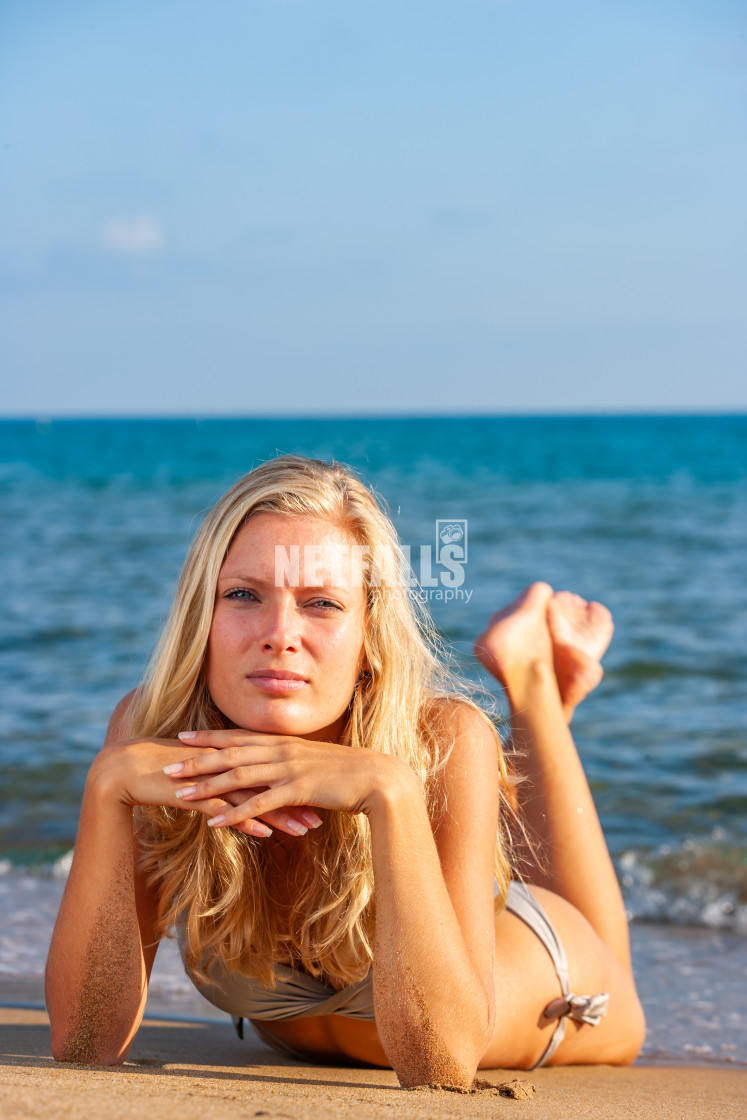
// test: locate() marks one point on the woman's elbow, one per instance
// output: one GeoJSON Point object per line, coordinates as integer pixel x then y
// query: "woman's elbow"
{"type": "Point", "coordinates": [424, 1050]}
{"type": "Point", "coordinates": [84, 1038]}
{"type": "Point", "coordinates": [432, 1060]}
{"type": "Point", "coordinates": [438, 1069]}
{"type": "Point", "coordinates": [89, 1024]}
{"type": "Point", "coordinates": [84, 1044]}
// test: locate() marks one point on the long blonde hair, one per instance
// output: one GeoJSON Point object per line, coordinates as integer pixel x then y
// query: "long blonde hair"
{"type": "Point", "coordinates": [213, 880]}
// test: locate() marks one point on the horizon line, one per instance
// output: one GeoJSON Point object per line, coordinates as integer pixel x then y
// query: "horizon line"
{"type": "Point", "coordinates": [196, 417]}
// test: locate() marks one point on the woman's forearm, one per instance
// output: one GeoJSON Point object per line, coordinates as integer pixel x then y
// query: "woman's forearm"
{"type": "Point", "coordinates": [96, 977]}
{"type": "Point", "coordinates": [433, 1015]}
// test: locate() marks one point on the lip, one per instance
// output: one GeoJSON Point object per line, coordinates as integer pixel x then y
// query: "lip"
{"type": "Point", "coordinates": [277, 680]}
{"type": "Point", "coordinates": [277, 674]}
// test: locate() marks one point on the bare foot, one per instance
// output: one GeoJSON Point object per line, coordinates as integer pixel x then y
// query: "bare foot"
{"type": "Point", "coordinates": [580, 633]}
{"type": "Point", "coordinates": [518, 637]}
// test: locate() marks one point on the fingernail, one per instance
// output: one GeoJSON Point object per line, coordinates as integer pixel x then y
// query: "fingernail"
{"type": "Point", "coordinates": [187, 791]}
{"type": "Point", "coordinates": [174, 768]}
{"type": "Point", "coordinates": [260, 830]}
{"type": "Point", "coordinates": [297, 827]}
{"type": "Point", "coordinates": [184, 735]}
{"type": "Point", "coordinates": [215, 821]}
{"type": "Point", "coordinates": [309, 818]}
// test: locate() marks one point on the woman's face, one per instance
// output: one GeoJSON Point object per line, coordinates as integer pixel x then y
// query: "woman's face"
{"type": "Point", "coordinates": [285, 659]}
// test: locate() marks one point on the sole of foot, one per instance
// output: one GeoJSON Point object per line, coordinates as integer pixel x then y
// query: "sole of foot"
{"type": "Point", "coordinates": [517, 635]}
{"type": "Point", "coordinates": [581, 632]}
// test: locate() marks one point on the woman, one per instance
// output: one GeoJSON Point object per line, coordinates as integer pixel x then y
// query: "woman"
{"type": "Point", "coordinates": [298, 752]}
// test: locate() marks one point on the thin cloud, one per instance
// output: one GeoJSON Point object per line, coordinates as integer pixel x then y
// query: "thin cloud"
{"type": "Point", "coordinates": [135, 235]}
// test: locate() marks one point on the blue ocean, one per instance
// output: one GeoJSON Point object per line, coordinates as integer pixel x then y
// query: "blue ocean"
{"type": "Point", "coordinates": [646, 514]}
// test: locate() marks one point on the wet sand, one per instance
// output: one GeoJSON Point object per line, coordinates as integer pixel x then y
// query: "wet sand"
{"type": "Point", "coordinates": [203, 1070]}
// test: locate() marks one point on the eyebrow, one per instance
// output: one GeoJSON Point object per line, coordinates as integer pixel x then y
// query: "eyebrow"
{"type": "Point", "coordinates": [257, 582]}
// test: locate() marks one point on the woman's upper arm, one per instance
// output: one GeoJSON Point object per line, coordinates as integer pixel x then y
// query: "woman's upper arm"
{"type": "Point", "coordinates": [466, 832]}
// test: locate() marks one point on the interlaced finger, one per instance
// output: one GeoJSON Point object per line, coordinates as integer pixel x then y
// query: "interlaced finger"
{"type": "Point", "coordinates": [216, 762]}
{"type": "Point", "coordinates": [240, 778]}
{"type": "Point", "coordinates": [296, 823]}
{"type": "Point", "coordinates": [214, 805]}
{"type": "Point", "coordinates": [257, 806]}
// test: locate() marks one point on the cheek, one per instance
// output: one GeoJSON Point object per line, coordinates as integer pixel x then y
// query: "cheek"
{"type": "Point", "coordinates": [224, 641]}
{"type": "Point", "coordinates": [343, 653]}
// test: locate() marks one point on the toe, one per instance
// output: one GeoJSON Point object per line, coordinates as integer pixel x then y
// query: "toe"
{"type": "Point", "coordinates": [539, 593]}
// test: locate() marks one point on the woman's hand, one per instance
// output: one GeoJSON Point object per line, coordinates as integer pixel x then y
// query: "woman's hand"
{"type": "Point", "coordinates": [294, 772]}
{"type": "Point", "coordinates": [133, 771]}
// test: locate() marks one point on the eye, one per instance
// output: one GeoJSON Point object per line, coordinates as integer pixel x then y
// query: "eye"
{"type": "Point", "coordinates": [325, 604]}
{"type": "Point", "coordinates": [240, 595]}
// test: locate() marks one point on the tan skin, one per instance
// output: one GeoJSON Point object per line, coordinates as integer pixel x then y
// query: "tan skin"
{"type": "Point", "coordinates": [485, 979]}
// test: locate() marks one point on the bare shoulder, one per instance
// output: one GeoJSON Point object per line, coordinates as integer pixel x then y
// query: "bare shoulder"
{"type": "Point", "coordinates": [462, 729]}
{"type": "Point", "coordinates": [120, 718]}
{"type": "Point", "coordinates": [468, 741]}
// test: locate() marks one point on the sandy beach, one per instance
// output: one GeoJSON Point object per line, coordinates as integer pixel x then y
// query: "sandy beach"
{"type": "Point", "coordinates": [202, 1070]}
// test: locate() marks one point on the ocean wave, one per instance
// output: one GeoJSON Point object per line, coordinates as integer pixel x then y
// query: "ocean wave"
{"type": "Point", "coordinates": [701, 882]}
{"type": "Point", "coordinates": [58, 868]}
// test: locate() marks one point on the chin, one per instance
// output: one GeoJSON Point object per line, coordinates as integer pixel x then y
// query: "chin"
{"type": "Point", "coordinates": [279, 722]}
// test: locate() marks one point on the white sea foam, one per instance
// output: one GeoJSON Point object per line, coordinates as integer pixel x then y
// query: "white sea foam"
{"type": "Point", "coordinates": [61, 867]}
{"type": "Point", "coordinates": [698, 883]}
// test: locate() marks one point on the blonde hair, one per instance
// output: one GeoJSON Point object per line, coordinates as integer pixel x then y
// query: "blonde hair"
{"type": "Point", "coordinates": [213, 880]}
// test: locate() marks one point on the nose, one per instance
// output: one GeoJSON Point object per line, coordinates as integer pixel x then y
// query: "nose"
{"type": "Point", "coordinates": [280, 625]}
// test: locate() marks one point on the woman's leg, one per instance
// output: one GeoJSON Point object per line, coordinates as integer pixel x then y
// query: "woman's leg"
{"type": "Point", "coordinates": [530, 647]}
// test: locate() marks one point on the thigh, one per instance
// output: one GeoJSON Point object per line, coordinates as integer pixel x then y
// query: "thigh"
{"type": "Point", "coordinates": [526, 981]}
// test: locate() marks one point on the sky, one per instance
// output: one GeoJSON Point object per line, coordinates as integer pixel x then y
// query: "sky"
{"type": "Point", "coordinates": [300, 207]}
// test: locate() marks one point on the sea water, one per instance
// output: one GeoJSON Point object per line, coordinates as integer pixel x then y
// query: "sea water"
{"type": "Point", "coordinates": [646, 514]}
